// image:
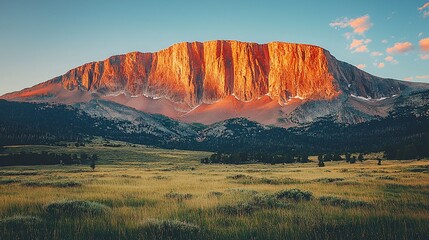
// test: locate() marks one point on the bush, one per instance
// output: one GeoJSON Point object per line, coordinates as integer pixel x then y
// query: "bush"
{"type": "Point", "coordinates": [329, 180]}
{"type": "Point", "coordinates": [294, 194]}
{"type": "Point", "coordinates": [8, 181]}
{"type": "Point", "coordinates": [238, 209]}
{"type": "Point", "coordinates": [215, 194]}
{"type": "Point", "coordinates": [178, 196]}
{"type": "Point", "coordinates": [20, 221]}
{"type": "Point", "coordinates": [340, 202]}
{"type": "Point", "coordinates": [62, 184]}
{"type": "Point", "coordinates": [239, 176]}
{"type": "Point", "coordinates": [75, 208]}
{"type": "Point", "coordinates": [20, 227]}
{"type": "Point", "coordinates": [267, 201]}
{"type": "Point", "coordinates": [168, 229]}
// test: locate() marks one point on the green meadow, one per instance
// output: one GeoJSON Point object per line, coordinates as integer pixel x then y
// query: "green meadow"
{"type": "Point", "coordinates": [138, 192]}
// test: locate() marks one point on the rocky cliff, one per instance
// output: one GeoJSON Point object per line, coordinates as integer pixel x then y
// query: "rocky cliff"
{"type": "Point", "coordinates": [195, 74]}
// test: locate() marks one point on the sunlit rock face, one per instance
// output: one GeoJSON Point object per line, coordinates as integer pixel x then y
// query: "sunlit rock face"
{"type": "Point", "coordinates": [196, 73]}
{"type": "Point", "coordinates": [216, 80]}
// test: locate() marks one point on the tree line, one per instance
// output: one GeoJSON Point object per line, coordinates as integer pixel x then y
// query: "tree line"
{"type": "Point", "coordinates": [45, 158]}
{"type": "Point", "coordinates": [273, 158]}
{"type": "Point", "coordinates": [261, 157]}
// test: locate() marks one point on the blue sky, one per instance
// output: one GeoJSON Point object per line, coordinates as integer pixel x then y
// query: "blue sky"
{"type": "Point", "coordinates": [43, 39]}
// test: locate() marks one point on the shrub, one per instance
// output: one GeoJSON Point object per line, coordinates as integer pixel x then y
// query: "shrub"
{"type": "Point", "coordinates": [178, 196]}
{"type": "Point", "coordinates": [75, 208]}
{"type": "Point", "coordinates": [8, 181]}
{"type": "Point", "coordinates": [386, 177]}
{"type": "Point", "coordinates": [238, 209]}
{"type": "Point", "coordinates": [243, 191]}
{"type": "Point", "coordinates": [294, 194]}
{"type": "Point", "coordinates": [168, 229]}
{"type": "Point", "coordinates": [62, 184]}
{"type": "Point", "coordinates": [159, 177]}
{"type": "Point", "coordinates": [20, 221]}
{"type": "Point", "coordinates": [215, 194]}
{"type": "Point", "coordinates": [267, 201]}
{"type": "Point", "coordinates": [18, 173]}
{"type": "Point", "coordinates": [20, 227]}
{"type": "Point", "coordinates": [239, 176]}
{"type": "Point", "coordinates": [340, 202]}
{"type": "Point", "coordinates": [329, 180]}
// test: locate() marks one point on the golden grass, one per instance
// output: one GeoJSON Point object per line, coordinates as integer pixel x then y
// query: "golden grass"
{"type": "Point", "coordinates": [134, 181]}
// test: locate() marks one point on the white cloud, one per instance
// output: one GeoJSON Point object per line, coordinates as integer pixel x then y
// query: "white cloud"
{"type": "Point", "coordinates": [384, 41]}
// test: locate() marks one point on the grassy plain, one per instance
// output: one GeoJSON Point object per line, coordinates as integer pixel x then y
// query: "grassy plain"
{"type": "Point", "coordinates": [138, 192]}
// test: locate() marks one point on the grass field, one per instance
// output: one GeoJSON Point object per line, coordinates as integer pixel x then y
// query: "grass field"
{"type": "Point", "coordinates": [137, 192]}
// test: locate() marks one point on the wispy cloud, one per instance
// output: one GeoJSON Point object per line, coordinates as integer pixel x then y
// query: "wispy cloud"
{"type": "Point", "coordinates": [424, 56]}
{"type": "Point", "coordinates": [391, 59]}
{"type": "Point", "coordinates": [424, 9]}
{"type": "Point", "coordinates": [376, 54]}
{"type": "Point", "coordinates": [384, 41]}
{"type": "Point", "coordinates": [400, 47]}
{"type": "Point", "coordinates": [424, 6]}
{"type": "Point", "coordinates": [361, 66]}
{"type": "Point", "coordinates": [416, 77]}
{"type": "Point", "coordinates": [360, 45]}
{"type": "Point", "coordinates": [423, 77]}
{"type": "Point", "coordinates": [424, 44]}
{"type": "Point", "coordinates": [380, 65]}
{"type": "Point", "coordinates": [359, 25]}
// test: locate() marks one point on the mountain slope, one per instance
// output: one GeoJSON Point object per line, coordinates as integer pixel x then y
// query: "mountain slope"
{"type": "Point", "coordinates": [405, 128]}
{"type": "Point", "coordinates": [276, 83]}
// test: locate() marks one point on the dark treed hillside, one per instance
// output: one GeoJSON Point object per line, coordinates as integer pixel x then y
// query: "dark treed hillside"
{"type": "Point", "coordinates": [404, 134]}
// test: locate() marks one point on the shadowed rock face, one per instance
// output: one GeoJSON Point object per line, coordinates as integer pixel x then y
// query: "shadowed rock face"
{"type": "Point", "coordinates": [197, 74]}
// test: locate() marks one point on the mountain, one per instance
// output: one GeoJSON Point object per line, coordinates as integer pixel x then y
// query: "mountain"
{"type": "Point", "coordinates": [403, 134]}
{"type": "Point", "coordinates": [281, 84]}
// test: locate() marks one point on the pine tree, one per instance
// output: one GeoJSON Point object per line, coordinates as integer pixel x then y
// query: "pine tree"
{"type": "Point", "coordinates": [360, 157]}
{"type": "Point", "coordinates": [348, 157]}
{"type": "Point", "coordinates": [321, 163]}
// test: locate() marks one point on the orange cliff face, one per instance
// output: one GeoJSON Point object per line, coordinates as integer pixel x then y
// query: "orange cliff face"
{"type": "Point", "coordinates": [223, 79]}
{"type": "Point", "coordinates": [197, 73]}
